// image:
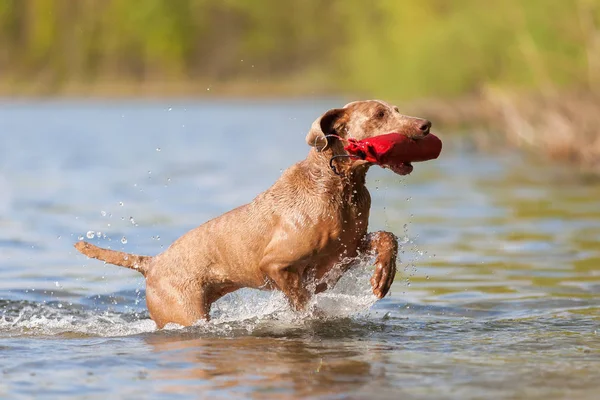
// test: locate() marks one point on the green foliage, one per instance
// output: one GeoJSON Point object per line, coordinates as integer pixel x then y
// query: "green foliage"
{"type": "Point", "coordinates": [436, 47]}
{"type": "Point", "coordinates": [397, 48]}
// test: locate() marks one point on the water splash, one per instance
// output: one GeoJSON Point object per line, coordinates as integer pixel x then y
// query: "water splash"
{"type": "Point", "coordinates": [24, 318]}
{"type": "Point", "coordinates": [243, 311]}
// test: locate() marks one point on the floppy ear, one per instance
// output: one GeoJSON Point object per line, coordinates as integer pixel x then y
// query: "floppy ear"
{"type": "Point", "coordinates": [329, 123]}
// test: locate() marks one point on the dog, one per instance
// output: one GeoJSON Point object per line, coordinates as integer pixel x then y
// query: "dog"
{"type": "Point", "coordinates": [299, 236]}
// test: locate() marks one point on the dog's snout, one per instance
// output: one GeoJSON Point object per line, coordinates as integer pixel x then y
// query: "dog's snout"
{"type": "Point", "coordinates": [424, 126]}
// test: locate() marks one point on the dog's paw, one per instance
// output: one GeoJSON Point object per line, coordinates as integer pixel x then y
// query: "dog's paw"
{"type": "Point", "coordinates": [382, 279]}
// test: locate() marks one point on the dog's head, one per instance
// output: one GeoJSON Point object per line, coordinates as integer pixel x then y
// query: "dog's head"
{"type": "Point", "coordinates": [364, 119]}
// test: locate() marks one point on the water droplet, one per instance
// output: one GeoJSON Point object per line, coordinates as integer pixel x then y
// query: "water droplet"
{"type": "Point", "coordinates": [80, 237]}
{"type": "Point", "coordinates": [121, 204]}
{"type": "Point", "coordinates": [158, 149]}
{"type": "Point", "coordinates": [90, 234]}
{"type": "Point", "coordinates": [132, 220]}
{"type": "Point", "coordinates": [59, 305]}
{"type": "Point", "coordinates": [170, 109]}
{"type": "Point", "coordinates": [57, 284]}
{"type": "Point", "coordinates": [124, 240]}
{"type": "Point", "coordinates": [58, 237]}
{"type": "Point", "coordinates": [103, 213]}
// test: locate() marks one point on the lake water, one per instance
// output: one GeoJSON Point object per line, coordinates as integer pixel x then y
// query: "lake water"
{"type": "Point", "coordinates": [497, 295]}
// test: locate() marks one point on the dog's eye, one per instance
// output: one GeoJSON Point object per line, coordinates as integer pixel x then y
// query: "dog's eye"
{"type": "Point", "coordinates": [381, 114]}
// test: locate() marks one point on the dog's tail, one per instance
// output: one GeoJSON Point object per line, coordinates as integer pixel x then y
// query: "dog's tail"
{"type": "Point", "coordinates": [138, 263]}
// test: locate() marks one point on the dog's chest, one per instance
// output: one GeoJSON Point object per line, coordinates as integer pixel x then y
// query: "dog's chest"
{"type": "Point", "coordinates": [342, 241]}
{"type": "Point", "coordinates": [347, 225]}
{"type": "Point", "coordinates": [353, 225]}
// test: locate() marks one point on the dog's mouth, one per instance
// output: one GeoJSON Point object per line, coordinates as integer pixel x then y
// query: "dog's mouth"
{"type": "Point", "coordinates": [404, 168]}
{"type": "Point", "coordinates": [393, 151]}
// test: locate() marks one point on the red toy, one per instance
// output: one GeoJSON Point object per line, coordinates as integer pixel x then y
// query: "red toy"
{"type": "Point", "coordinates": [395, 151]}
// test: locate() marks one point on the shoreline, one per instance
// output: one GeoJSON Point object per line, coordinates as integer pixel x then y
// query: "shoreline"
{"type": "Point", "coordinates": [117, 89]}
{"type": "Point", "coordinates": [561, 125]}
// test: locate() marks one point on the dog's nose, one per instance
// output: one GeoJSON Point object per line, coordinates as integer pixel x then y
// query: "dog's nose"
{"type": "Point", "coordinates": [424, 126]}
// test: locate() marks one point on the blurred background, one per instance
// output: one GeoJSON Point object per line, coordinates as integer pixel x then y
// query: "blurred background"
{"type": "Point", "coordinates": [528, 67]}
{"type": "Point", "coordinates": [127, 123]}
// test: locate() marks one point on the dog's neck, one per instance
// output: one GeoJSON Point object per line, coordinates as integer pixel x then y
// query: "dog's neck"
{"type": "Point", "coordinates": [349, 173]}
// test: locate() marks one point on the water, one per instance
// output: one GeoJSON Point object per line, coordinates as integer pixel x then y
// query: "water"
{"type": "Point", "coordinates": [497, 296]}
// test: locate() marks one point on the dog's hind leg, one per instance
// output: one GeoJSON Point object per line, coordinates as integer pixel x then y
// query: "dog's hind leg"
{"type": "Point", "coordinates": [181, 305]}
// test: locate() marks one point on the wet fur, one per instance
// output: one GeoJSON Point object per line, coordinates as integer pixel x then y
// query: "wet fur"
{"type": "Point", "coordinates": [298, 236]}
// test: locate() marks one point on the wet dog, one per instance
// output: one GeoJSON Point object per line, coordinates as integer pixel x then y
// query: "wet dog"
{"type": "Point", "coordinates": [299, 236]}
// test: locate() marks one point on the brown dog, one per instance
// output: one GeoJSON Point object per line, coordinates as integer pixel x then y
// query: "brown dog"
{"type": "Point", "coordinates": [299, 236]}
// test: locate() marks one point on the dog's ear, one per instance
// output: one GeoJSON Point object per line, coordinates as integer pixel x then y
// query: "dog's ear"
{"type": "Point", "coordinates": [330, 123]}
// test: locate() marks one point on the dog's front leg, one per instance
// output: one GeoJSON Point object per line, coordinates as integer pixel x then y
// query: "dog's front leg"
{"type": "Point", "coordinates": [332, 277]}
{"type": "Point", "coordinates": [288, 279]}
{"type": "Point", "coordinates": [385, 245]}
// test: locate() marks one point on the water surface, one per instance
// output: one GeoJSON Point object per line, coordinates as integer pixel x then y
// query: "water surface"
{"type": "Point", "coordinates": [497, 296]}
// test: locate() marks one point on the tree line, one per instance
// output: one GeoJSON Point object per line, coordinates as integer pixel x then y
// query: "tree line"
{"type": "Point", "coordinates": [400, 48]}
